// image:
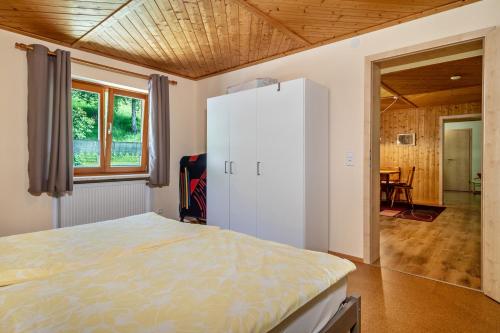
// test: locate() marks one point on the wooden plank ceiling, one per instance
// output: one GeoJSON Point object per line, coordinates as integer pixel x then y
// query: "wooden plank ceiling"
{"type": "Point", "coordinates": [432, 84]}
{"type": "Point", "coordinates": [199, 38]}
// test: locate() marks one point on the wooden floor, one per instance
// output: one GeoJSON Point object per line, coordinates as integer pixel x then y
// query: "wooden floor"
{"type": "Point", "coordinates": [447, 249]}
{"type": "Point", "coordinates": [396, 302]}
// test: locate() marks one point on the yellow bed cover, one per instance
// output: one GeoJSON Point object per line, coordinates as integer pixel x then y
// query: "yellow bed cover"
{"type": "Point", "coordinates": [40, 254]}
{"type": "Point", "coordinates": [212, 281]}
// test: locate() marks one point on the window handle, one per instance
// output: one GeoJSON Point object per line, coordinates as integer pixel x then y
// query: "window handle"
{"type": "Point", "coordinates": [110, 129]}
{"type": "Point", "coordinates": [258, 169]}
{"type": "Point", "coordinates": [231, 167]}
{"type": "Point", "coordinates": [225, 166]}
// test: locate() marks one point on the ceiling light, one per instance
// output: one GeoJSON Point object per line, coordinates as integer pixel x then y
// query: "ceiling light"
{"type": "Point", "coordinates": [456, 77]}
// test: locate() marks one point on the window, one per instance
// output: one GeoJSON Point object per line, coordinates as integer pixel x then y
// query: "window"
{"type": "Point", "coordinates": [109, 130]}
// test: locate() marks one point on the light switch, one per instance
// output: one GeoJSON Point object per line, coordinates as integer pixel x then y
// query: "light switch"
{"type": "Point", "coordinates": [349, 159]}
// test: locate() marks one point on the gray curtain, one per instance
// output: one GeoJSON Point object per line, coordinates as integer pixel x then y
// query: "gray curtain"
{"type": "Point", "coordinates": [50, 139]}
{"type": "Point", "coordinates": [159, 131]}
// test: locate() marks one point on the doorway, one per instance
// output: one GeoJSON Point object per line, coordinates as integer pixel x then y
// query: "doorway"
{"type": "Point", "coordinates": [490, 210]}
{"type": "Point", "coordinates": [462, 157]}
{"type": "Point", "coordinates": [429, 220]}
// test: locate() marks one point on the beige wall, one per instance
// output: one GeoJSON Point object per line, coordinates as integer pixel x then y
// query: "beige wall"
{"type": "Point", "coordinates": [21, 212]}
{"type": "Point", "coordinates": [425, 155]}
{"type": "Point", "coordinates": [340, 67]}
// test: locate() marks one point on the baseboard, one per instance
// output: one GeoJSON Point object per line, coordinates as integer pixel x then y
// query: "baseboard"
{"type": "Point", "coordinates": [346, 256]}
{"type": "Point", "coordinates": [427, 203]}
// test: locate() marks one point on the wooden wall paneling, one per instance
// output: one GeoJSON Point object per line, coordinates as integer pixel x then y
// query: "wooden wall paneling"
{"type": "Point", "coordinates": [115, 37]}
{"type": "Point", "coordinates": [436, 77]}
{"type": "Point", "coordinates": [179, 11]}
{"type": "Point", "coordinates": [389, 101]}
{"type": "Point", "coordinates": [233, 27]}
{"type": "Point", "coordinates": [172, 32]}
{"type": "Point", "coordinates": [432, 153]}
{"type": "Point", "coordinates": [265, 41]}
{"type": "Point", "coordinates": [113, 40]}
{"type": "Point", "coordinates": [102, 41]}
{"type": "Point", "coordinates": [118, 10]}
{"type": "Point", "coordinates": [219, 10]}
{"type": "Point", "coordinates": [285, 45]}
{"type": "Point", "coordinates": [192, 10]}
{"type": "Point", "coordinates": [142, 36]}
{"type": "Point", "coordinates": [64, 21]}
{"type": "Point", "coordinates": [281, 41]}
{"type": "Point", "coordinates": [129, 38]}
{"type": "Point", "coordinates": [275, 42]}
{"type": "Point", "coordinates": [247, 5]}
{"type": "Point", "coordinates": [69, 7]}
{"type": "Point", "coordinates": [172, 29]}
{"type": "Point", "coordinates": [255, 38]}
{"type": "Point", "coordinates": [207, 15]}
{"type": "Point", "coordinates": [198, 38]}
{"type": "Point", "coordinates": [245, 18]}
{"type": "Point", "coordinates": [120, 37]}
{"type": "Point", "coordinates": [430, 85]}
{"type": "Point", "coordinates": [319, 21]}
{"type": "Point", "coordinates": [413, 127]}
{"type": "Point", "coordinates": [395, 92]}
{"type": "Point", "coordinates": [424, 153]}
{"type": "Point", "coordinates": [151, 29]}
{"type": "Point", "coordinates": [449, 96]}
{"type": "Point", "coordinates": [162, 32]}
{"type": "Point", "coordinates": [424, 122]}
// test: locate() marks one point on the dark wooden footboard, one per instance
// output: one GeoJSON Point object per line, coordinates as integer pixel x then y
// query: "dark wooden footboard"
{"type": "Point", "coordinates": [347, 318]}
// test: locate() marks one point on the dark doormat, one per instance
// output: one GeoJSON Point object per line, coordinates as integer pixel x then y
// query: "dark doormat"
{"type": "Point", "coordinates": [405, 211]}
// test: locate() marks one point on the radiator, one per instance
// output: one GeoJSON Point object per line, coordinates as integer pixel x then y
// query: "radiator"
{"type": "Point", "coordinates": [102, 201]}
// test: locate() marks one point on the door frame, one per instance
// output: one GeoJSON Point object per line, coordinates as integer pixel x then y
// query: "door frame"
{"type": "Point", "coordinates": [371, 154]}
{"type": "Point", "coordinates": [447, 119]}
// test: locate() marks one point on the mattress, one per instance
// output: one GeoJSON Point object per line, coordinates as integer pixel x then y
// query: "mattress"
{"type": "Point", "coordinates": [313, 316]}
{"type": "Point", "coordinates": [215, 281]}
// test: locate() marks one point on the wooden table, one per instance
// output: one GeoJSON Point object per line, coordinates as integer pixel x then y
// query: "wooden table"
{"type": "Point", "coordinates": [385, 175]}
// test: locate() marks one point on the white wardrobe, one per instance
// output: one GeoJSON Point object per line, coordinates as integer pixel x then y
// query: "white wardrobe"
{"type": "Point", "coordinates": [267, 163]}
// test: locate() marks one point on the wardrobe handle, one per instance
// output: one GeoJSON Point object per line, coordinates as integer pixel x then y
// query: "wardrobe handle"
{"type": "Point", "coordinates": [225, 166]}
{"type": "Point", "coordinates": [258, 169]}
{"type": "Point", "coordinates": [231, 167]}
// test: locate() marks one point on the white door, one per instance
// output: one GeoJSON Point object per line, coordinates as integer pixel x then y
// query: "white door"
{"type": "Point", "coordinates": [457, 159]}
{"type": "Point", "coordinates": [280, 185]}
{"type": "Point", "coordinates": [242, 166]}
{"type": "Point", "coordinates": [218, 161]}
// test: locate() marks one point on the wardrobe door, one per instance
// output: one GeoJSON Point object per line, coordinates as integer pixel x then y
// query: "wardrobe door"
{"type": "Point", "coordinates": [218, 161]}
{"type": "Point", "coordinates": [280, 147]}
{"type": "Point", "coordinates": [242, 168]}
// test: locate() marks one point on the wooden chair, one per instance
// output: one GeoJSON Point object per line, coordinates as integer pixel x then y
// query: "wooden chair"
{"type": "Point", "coordinates": [407, 188]}
{"type": "Point", "coordinates": [393, 179]}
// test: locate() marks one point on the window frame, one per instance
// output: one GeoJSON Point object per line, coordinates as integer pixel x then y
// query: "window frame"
{"type": "Point", "coordinates": [105, 123]}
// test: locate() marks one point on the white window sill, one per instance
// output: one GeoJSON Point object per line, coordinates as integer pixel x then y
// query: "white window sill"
{"type": "Point", "coordinates": [89, 179]}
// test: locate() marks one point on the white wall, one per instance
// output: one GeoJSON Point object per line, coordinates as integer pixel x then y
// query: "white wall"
{"type": "Point", "coordinates": [22, 212]}
{"type": "Point", "coordinates": [340, 67]}
{"type": "Point", "coordinates": [476, 127]}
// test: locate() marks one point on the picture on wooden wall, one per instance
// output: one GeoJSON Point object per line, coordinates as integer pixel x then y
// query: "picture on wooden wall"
{"type": "Point", "coordinates": [406, 139]}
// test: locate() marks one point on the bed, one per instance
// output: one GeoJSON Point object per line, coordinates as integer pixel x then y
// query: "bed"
{"type": "Point", "coordinates": [146, 273]}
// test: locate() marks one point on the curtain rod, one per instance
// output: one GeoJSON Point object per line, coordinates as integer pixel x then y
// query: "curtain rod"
{"type": "Point", "coordinates": [25, 47]}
